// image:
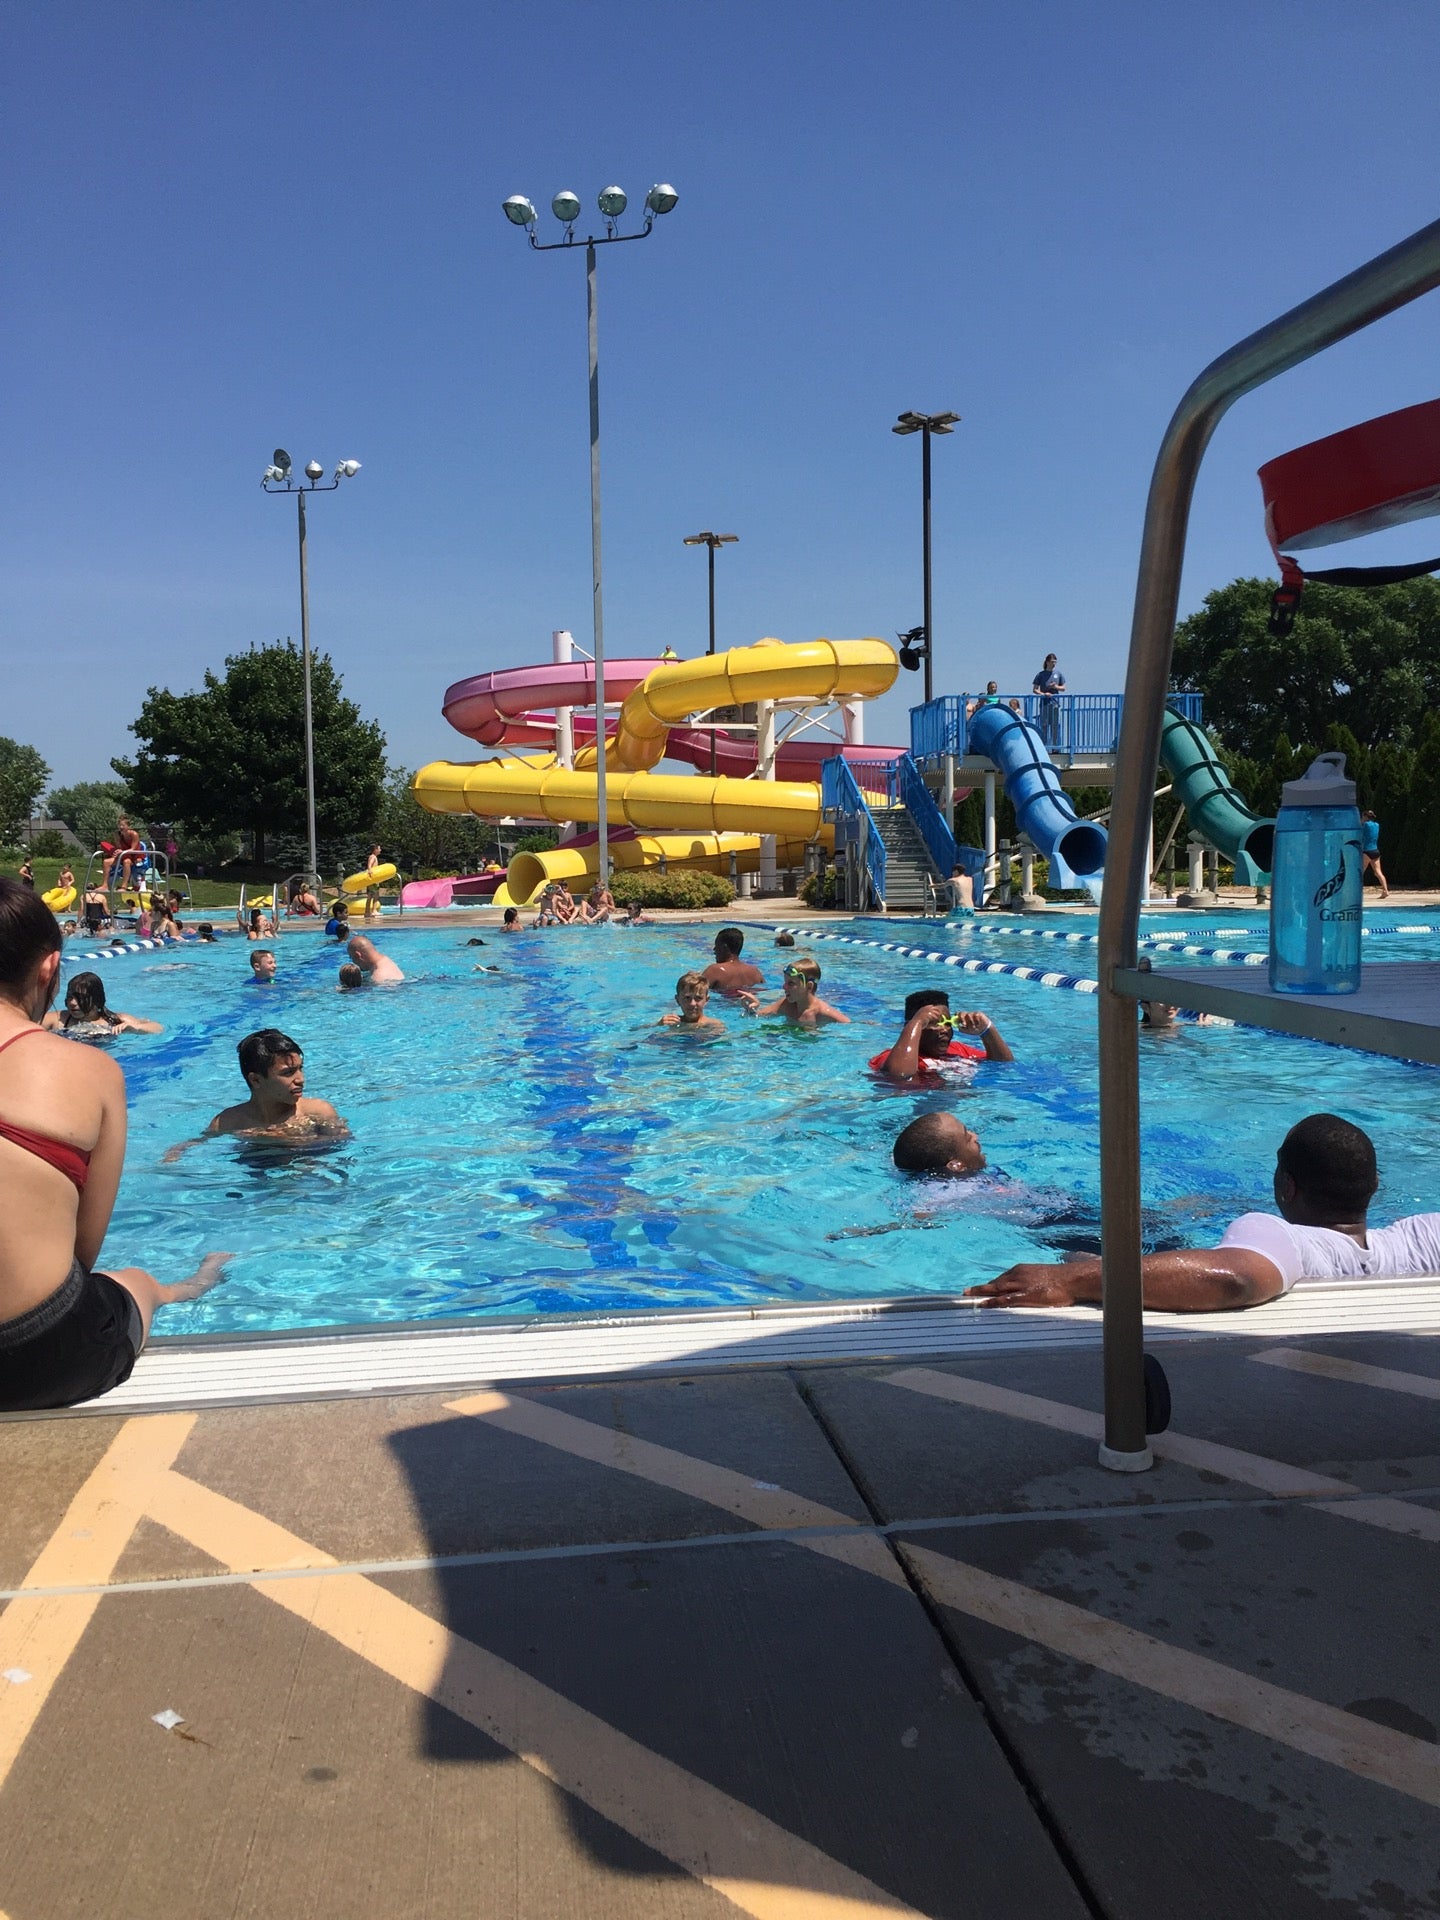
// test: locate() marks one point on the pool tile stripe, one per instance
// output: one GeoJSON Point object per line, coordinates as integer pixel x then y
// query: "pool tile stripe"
{"type": "Point", "coordinates": [1334, 1366]}
{"type": "Point", "coordinates": [754, 1863]}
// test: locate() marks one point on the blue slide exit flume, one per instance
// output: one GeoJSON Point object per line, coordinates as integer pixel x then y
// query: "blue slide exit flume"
{"type": "Point", "coordinates": [1041, 805]}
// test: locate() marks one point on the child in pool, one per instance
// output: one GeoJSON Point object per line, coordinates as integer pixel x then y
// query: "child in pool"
{"type": "Point", "coordinates": [691, 994]}
{"type": "Point", "coordinates": [799, 1002]}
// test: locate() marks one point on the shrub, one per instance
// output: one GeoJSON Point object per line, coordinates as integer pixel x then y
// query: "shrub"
{"type": "Point", "coordinates": [824, 889]}
{"type": "Point", "coordinates": [682, 889]}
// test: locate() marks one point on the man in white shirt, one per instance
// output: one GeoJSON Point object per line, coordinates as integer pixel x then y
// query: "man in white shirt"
{"type": "Point", "coordinates": [1325, 1179]}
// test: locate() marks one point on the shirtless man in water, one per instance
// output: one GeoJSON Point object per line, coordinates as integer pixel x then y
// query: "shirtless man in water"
{"type": "Point", "coordinates": [730, 974]}
{"type": "Point", "coordinates": [377, 967]}
{"type": "Point", "coordinates": [273, 1067]}
{"type": "Point", "coordinates": [67, 1333]}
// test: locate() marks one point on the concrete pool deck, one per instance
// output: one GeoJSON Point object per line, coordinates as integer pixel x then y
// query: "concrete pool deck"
{"type": "Point", "coordinates": [844, 1640]}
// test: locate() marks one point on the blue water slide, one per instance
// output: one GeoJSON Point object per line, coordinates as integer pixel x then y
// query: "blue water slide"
{"type": "Point", "coordinates": [1041, 804]}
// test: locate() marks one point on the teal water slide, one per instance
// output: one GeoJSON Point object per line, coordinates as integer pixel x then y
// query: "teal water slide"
{"type": "Point", "coordinates": [1211, 803]}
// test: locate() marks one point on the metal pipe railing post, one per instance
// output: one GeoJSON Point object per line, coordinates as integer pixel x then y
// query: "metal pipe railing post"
{"type": "Point", "coordinates": [1385, 283]}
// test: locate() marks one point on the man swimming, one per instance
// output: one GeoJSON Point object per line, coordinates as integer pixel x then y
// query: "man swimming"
{"type": "Point", "coordinates": [729, 974]}
{"type": "Point", "coordinates": [273, 1068]}
{"type": "Point", "coordinates": [379, 969]}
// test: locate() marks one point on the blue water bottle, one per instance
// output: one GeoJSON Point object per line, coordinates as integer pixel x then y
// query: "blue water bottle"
{"type": "Point", "coordinates": [1316, 883]}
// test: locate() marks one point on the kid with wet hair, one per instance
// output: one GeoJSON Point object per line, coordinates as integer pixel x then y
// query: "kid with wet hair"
{"type": "Point", "coordinates": [799, 1002]}
{"type": "Point", "coordinates": [692, 991]}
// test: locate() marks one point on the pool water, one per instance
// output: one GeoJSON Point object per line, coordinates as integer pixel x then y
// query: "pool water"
{"type": "Point", "coordinates": [525, 1142]}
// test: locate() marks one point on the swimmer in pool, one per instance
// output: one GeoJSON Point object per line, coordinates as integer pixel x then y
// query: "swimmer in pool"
{"type": "Point", "coordinates": [273, 1068]}
{"type": "Point", "coordinates": [730, 974]}
{"type": "Point", "coordinates": [635, 916]}
{"type": "Point", "coordinates": [262, 967]}
{"type": "Point", "coordinates": [511, 922]}
{"type": "Point", "coordinates": [85, 1015]}
{"type": "Point", "coordinates": [799, 1002]}
{"type": "Point", "coordinates": [691, 995]}
{"type": "Point", "coordinates": [349, 978]}
{"type": "Point", "coordinates": [927, 1038]}
{"type": "Point", "coordinates": [379, 969]}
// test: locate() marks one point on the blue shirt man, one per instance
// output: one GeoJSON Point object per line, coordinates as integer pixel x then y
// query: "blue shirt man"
{"type": "Point", "coordinates": [1049, 684]}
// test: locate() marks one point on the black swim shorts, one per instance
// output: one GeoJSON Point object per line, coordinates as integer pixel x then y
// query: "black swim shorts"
{"type": "Point", "coordinates": [80, 1342]}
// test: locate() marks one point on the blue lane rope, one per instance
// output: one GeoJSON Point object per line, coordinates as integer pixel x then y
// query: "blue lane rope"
{"type": "Point", "coordinates": [958, 960]}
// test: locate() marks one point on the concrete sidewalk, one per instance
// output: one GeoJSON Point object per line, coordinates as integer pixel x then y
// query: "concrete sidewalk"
{"type": "Point", "coordinates": [840, 1641]}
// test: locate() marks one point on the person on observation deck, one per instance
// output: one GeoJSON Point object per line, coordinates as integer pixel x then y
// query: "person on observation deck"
{"type": "Point", "coordinates": [1049, 687]}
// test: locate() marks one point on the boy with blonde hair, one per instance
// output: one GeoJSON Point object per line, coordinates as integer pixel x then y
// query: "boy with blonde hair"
{"type": "Point", "coordinates": [692, 991]}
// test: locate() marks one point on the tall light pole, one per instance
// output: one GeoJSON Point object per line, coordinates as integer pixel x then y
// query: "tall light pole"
{"type": "Point", "coordinates": [279, 478]}
{"type": "Point", "coordinates": [566, 209]}
{"type": "Point", "coordinates": [712, 541]}
{"type": "Point", "coordinates": [924, 424]}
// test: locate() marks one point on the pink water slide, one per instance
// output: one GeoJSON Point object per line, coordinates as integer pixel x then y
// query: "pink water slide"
{"type": "Point", "coordinates": [514, 709]}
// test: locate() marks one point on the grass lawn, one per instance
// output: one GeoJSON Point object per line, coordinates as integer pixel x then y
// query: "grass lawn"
{"type": "Point", "coordinates": [203, 893]}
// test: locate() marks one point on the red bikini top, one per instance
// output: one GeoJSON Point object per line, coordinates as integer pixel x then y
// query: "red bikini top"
{"type": "Point", "coordinates": [73, 1162]}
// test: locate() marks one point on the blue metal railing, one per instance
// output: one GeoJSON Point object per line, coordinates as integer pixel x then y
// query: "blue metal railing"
{"type": "Point", "coordinates": [844, 803]}
{"type": "Point", "coordinates": [1068, 723]}
{"type": "Point", "coordinates": [915, 797]}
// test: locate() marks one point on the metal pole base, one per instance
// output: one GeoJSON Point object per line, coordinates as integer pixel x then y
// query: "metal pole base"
{"type": "Point", "coordinates": [1116, 1462]}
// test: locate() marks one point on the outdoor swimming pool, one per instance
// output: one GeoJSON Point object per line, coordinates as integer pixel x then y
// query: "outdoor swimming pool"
{"type": "Point", "coordinates": [524, 1143]}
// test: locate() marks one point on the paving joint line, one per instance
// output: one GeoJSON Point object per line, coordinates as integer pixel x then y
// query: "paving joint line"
{"type": "Point", "coordinates": [755, 1536]}
{"type": "Point", "coordinates": [1049, 1819]}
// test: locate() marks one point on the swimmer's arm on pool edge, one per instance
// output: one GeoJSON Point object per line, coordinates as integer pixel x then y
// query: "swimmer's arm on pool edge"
{"type": "Point", "coordinates": [1188, 1280]}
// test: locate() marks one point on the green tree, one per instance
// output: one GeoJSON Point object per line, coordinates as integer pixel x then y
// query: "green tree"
{"type": "Point", "coordinates": [421, 842]}
{"type": "Point", "coordinates": [91, 808]}
{"type": "Point", "coordinates": [232, 756]}
{"type": "Point", "coordinates": [24, 776]}
{"type": "Point", "coordinates": [1366, 658]}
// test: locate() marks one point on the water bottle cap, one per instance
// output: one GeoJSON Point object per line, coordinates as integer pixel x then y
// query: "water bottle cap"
{"type": "Point", "coordinates": [1323, 785]}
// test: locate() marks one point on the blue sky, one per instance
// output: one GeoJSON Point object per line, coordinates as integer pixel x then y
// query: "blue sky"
{"type": "Point", "coordinates": [232, 228]}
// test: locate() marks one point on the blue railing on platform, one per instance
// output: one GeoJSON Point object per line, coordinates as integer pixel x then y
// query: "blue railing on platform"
{"type": "Point", "coordinates": [1068, 723]}
{"type": "Point", "coordinates": [843, 801]}
{"type": "Point", "coordinates": [915, 797]}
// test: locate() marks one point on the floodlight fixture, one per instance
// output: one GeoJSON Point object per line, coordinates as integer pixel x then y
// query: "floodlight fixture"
{"type": "Point", "coordinates": [931, 422]}
{"type": "Point", "coordinates": [566, 208]}
{"type": "Point", "coordinates": [314, 471]}
{"type": "Point", "coordinates": [519, 210]}
{"type": "Point", "coordinates": [711, 539]}
{"type": "Point", "coordinates": [612, 202]}
{"type": "Point", "coordinates": [282, 463]}
{"type": "Point", "coordinates": [347, 469]}
{"type": "Point", "coordinates": [914, 648]}
{"type": "Point", "coordinates": [661, 198]}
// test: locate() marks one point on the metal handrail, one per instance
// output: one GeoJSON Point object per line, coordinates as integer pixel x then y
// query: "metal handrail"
{"type": "Point", "coordinates": [916, 799]}
{"type": "Point", "coordinates": [1391, 280]}
{"type": "Point", "coordinates": [841, 798]}
{"type": "Point", "coordinates": [1067, 722]}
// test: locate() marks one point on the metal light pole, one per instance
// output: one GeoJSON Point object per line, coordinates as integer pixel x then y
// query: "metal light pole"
{"type": "Point", "coordinates": [712, 541]}
{"type": "Point", "coordinates": [566, 208]}
{"type": "Point", "coordinates": [278, 478]}
{"type": "Point", "coordinates": [925, 424]}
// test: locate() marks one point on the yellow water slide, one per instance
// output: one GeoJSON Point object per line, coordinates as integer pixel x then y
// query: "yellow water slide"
{"type": "Point", "coordinates": [694, 819]}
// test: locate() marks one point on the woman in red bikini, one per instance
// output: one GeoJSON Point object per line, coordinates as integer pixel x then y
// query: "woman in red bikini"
{"type": "Point", "coordinates": [67, 1333]}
